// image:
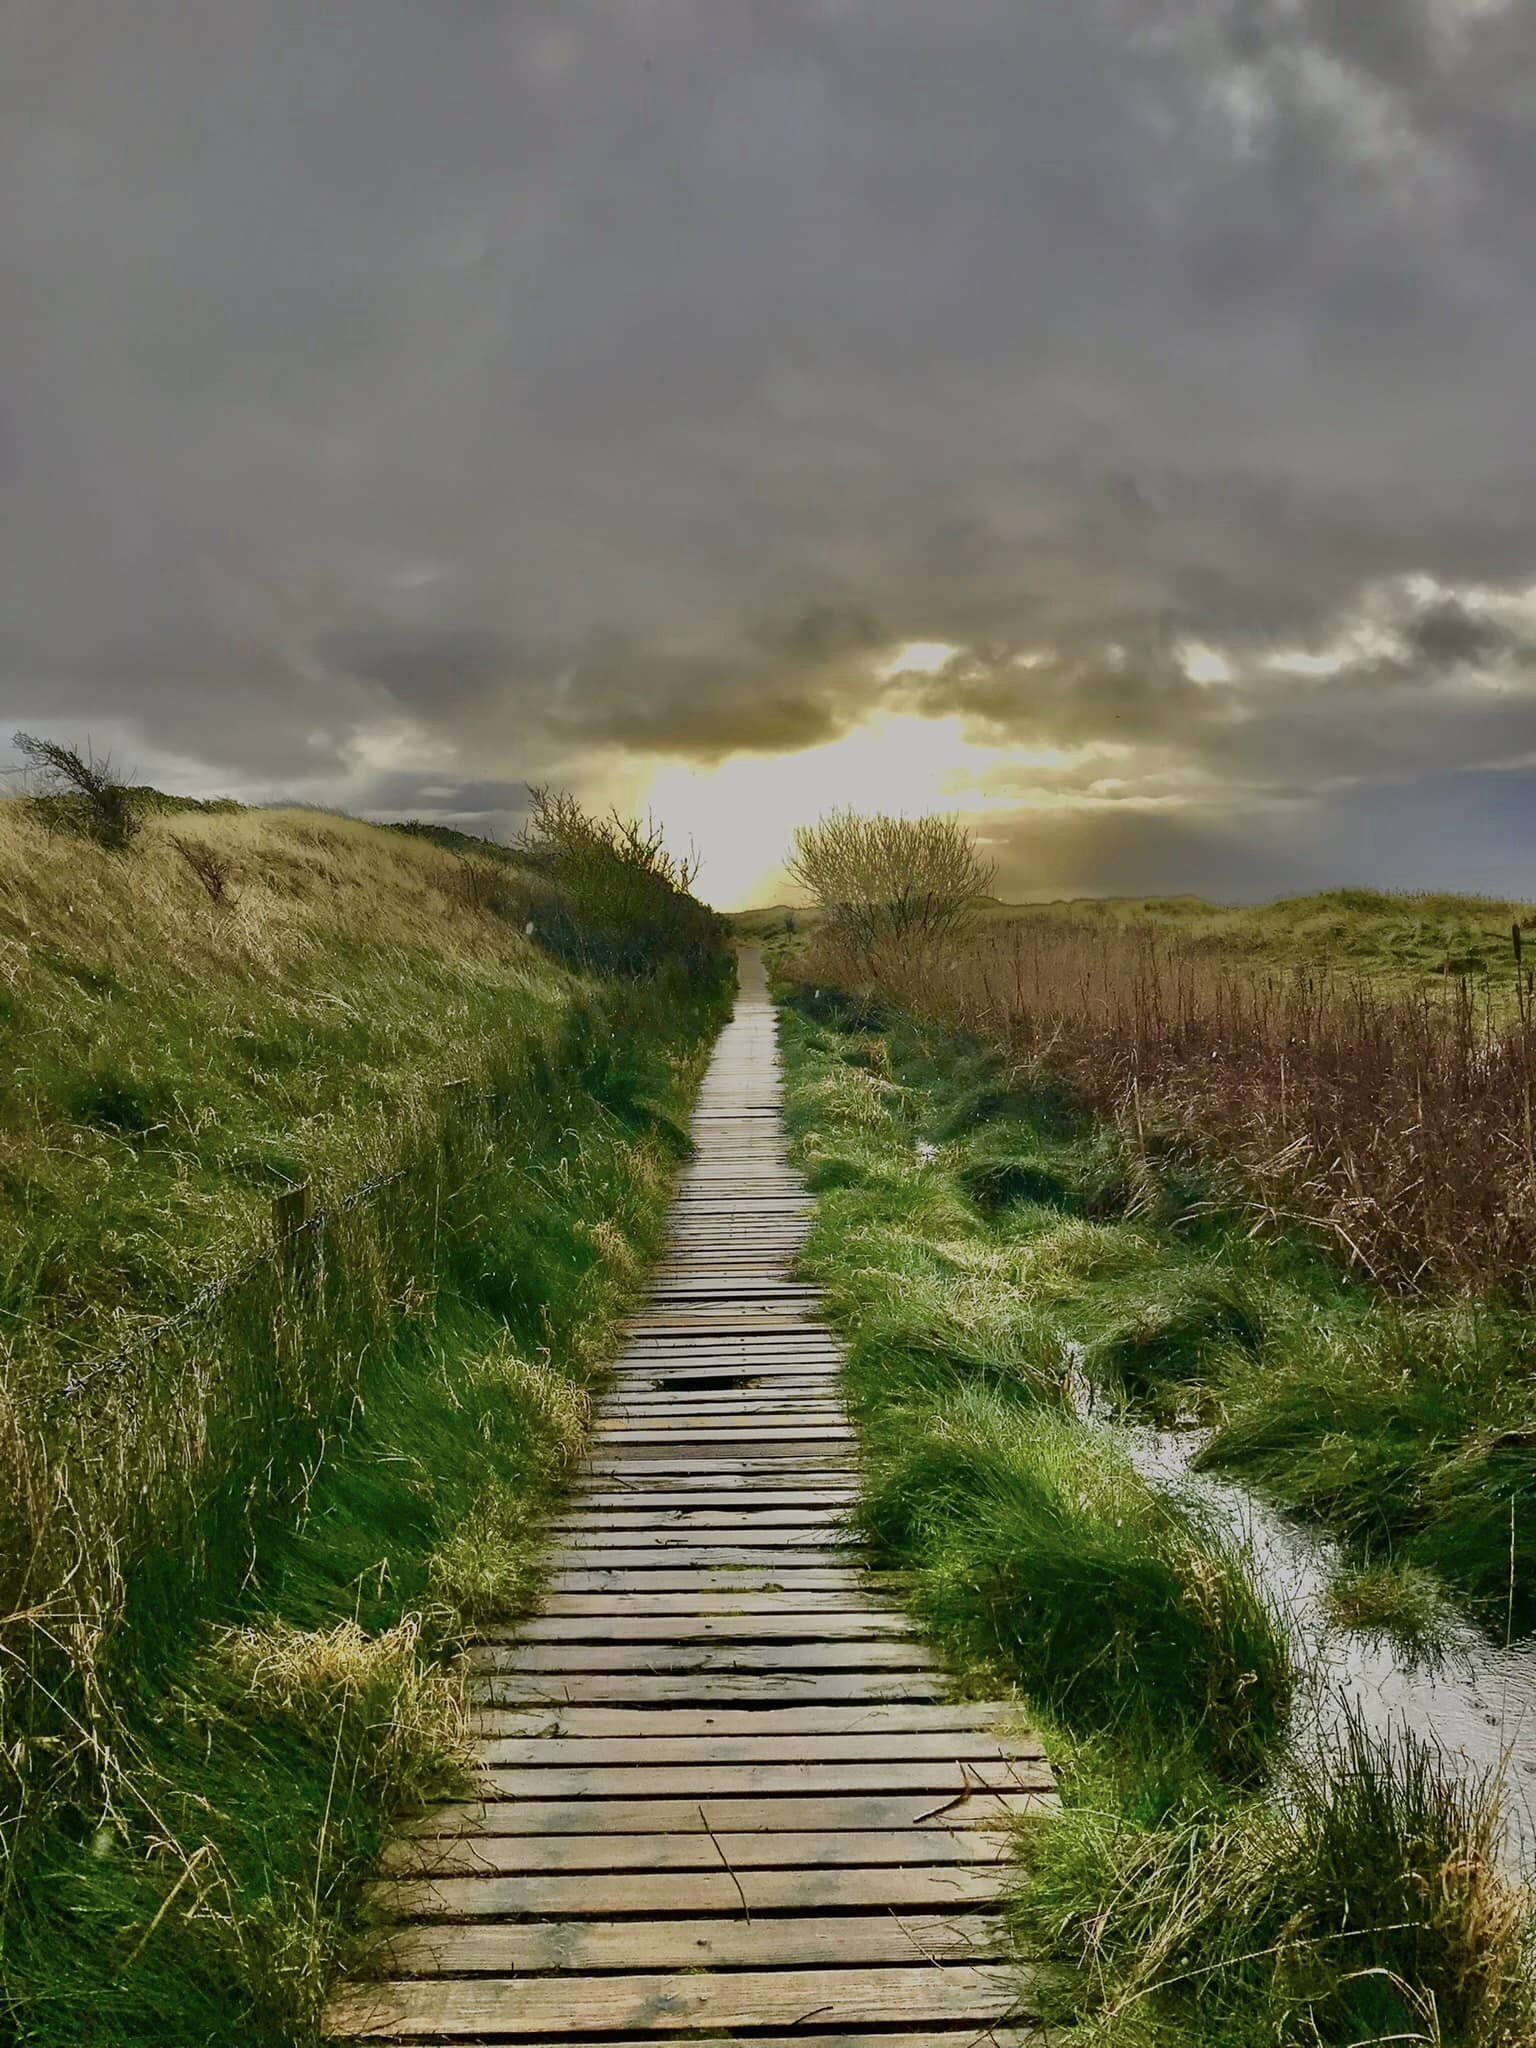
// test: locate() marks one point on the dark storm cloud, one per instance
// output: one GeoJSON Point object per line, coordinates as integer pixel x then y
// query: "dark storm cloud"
{"type": "Point", "coordinates": [475, 393]}
{"type": "Point", "coordinates": [1447, 633]}
{"type": "Point", "coordinates": [423, 666]}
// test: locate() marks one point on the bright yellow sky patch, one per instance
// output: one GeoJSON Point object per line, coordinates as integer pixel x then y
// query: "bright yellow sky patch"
{"type": "Point", "coordinates": [741, 813]}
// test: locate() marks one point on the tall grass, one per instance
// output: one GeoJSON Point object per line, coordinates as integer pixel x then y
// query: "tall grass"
{"type": "Point", "coordinates": [1361, 1902]}
{"type": "Point", "coordinates": [1398, 1415]}
{"type": "Point", "coordinates": [1039, 1548]}
{"type": "Point", "coordinates": [1039, 1553]}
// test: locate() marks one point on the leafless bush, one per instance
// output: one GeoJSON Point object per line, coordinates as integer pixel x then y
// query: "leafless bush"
{"type": "Point", "coordinates": [483, 886]}
{"type": "Point", "coordinates": [80, 791]}
{"type": "Point", "coordinates": [880, 879]}
{"type": "Point", "coordinates": [627, 901]}
{"type": "Point", "coordinates": [208, 864]}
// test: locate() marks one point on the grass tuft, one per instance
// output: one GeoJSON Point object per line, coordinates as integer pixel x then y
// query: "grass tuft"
{"type": "Point", "coordinates": [1399, 1603]}
{"type": "Point", "coordinates": [1362, 1903]}
{"type": "Point", "coordinates": [409, 1709]}
{"type": "Point", "coordinates": [1039, 1549]}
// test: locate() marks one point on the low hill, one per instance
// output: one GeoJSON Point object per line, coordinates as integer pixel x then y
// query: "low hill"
{"type": "Point", "coordinates": [1365, 931]}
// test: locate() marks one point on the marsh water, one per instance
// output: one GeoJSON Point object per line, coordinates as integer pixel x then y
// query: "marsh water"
{"type": "Point", "coordinates": [1475, 1699]}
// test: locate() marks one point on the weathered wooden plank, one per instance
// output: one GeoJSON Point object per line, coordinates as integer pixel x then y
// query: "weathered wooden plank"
{"type": "Point", "coordinates": [533, 1947]}
{"type": "Point", "coordinates": [723, 1502]}
{"type": "Point", "coordinates": [791, 1621]}
{"type": "Point", "coordinates": [945, 1778]}
{"type": "Point", "coordinates": [757, 1578]}
{"type": "Point", "coordinates": [664, 1541]}
{"type": "Point", "coordinates": [707, 1603]}
{"type": "Point", "coordinates": [642, 1688]}
{"type": "Point", "coordinates": [777, 1557]}
{"type": "Point", "coordinates": [691, 1414]}
{"type": "Point", "coordinates": [448, 2008]}
{"type": "Point", "coordinates": [680, 1892]}
{"type": "Point", "coordinates": [838, 1813]}
{"type": "Point", "coordinates": [504, 1855]}
{"type": "Point", "coordinates": [709, 1435]}
{"type": "Point", "coordinates": [651, 1748]}
{"type": "Point", "coordinates": [703, 1658]}
{"type": "Point", "coordinates": [710, 1527]}
{"type": "Point", "coordinates": [855, 1723]}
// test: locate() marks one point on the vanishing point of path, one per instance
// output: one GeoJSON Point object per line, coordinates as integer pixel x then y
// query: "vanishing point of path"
{"type": "Point", "coordinates": [723, 1796]}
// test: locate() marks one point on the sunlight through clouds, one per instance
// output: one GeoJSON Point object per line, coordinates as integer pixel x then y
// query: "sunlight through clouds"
{"type": "Point", "coordinates": [741, 813]}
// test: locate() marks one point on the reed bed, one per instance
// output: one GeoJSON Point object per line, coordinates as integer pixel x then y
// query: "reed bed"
{"type": "Point", "coordinates": [1394, 1123]}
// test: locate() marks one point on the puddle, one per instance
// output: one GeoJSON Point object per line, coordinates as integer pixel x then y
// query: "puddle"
{"type": "Point", "coordinates": [1475, 1700]}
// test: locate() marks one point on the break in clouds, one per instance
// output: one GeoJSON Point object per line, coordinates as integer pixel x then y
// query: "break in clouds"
{"type": "Point", "coordinates": [401, 402]}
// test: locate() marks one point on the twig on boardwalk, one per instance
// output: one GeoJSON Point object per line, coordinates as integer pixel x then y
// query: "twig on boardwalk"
{"type": "Point", "coordinates": [746, 1910]}
{"type": "Point", "coordinates": [948, 1805]}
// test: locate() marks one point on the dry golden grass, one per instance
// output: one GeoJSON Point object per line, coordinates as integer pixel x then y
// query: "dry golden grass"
{"type": "Point", "coordinates": [175, 1061]}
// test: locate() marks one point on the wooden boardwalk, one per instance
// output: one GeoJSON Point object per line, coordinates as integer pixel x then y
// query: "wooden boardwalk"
{"type": "Point", "coordinates": [723, 1793]}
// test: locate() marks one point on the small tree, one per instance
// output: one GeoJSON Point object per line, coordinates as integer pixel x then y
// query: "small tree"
{"type": "Point", "coordinates": [81, 791]}
{"type": "Point", "coordinates": [880, 879]}
{"type": "Point", "coordinates": [627, 903]}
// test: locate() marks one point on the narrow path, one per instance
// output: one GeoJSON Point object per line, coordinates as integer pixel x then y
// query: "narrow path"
{"type": "Point", "coordinates": [723, 1793]}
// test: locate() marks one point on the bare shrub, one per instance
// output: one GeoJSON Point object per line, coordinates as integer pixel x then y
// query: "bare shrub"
{"type": "Point", "coordinates": [80, 791]}
{"type": "Point", "coordinates": [622, 900]}
{"type": "Point", "coordinates": [208, 864]}
{"type": "Point", "coordinates": [880, 879]}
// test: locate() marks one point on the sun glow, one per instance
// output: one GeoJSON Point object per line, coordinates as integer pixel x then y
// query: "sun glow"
{"type": "Point", "coordinates": [741, 813]}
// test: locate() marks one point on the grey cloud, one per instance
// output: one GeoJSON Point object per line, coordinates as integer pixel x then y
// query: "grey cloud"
{"type": "Point", "coordinates": [424, 666]}
{"type": "Point", "coordinates": [1447, 632]}
{"type": "Point", "coordinates": [822, 632]}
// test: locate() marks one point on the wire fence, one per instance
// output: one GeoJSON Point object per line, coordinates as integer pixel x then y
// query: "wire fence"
{"type": "Point", "coordinates": [295, 1217]}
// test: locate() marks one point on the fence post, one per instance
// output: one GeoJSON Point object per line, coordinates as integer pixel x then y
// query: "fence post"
{"type": "Point", "coordinates": [293, 1213]}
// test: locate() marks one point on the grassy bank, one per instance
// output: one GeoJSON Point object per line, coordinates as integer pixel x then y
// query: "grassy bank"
{"type": "Point", "coordinates": [1039, 1552]}
{"type": "Point", "coordinates": [261, 1466]}
{"type": "Point", "coordinates": [977, 1245]}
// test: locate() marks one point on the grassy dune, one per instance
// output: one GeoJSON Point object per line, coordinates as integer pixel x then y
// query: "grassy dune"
{"type": "Point", "coordinates": [172, 1063]}
{"type": "Point", "coordinates": [259, 1468]}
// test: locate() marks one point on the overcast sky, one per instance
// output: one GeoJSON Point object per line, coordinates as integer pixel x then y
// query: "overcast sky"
{"type": "Point", "coordinates": [1112, 419]}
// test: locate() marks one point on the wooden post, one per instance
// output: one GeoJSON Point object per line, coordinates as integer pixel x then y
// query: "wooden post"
{"type": "Point", "coordinates": [292, 1215]}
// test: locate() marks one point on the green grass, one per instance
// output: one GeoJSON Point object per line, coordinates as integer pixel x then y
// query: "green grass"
{"type": "Point", "coordinates": [1362, 1905]}
{"type": "Point", "coordinates": [206, 1880]}
{"type": "Point", "coordinates": [1407, 1432]}
{"type": "Point", "coordinates": [1041, 1553]}
{"type": "Point", "coordinates": [1404, 1427]}
{"type": "Point", "coordinates": [169, 1065]}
